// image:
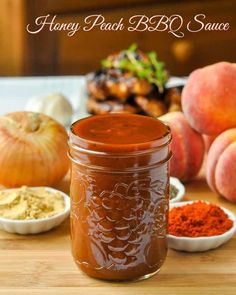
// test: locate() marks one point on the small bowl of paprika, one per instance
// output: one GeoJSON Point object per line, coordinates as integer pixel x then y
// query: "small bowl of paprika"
{"type": "Point", "coordinates": [197, 226]}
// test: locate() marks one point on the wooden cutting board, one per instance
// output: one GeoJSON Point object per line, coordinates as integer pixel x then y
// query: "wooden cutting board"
{"type": "Point", "coordinates": [42, 264]}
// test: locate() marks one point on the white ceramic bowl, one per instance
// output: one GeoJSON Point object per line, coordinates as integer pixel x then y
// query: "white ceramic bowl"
{"type": "Point", "coordinates": [200, 244]}
{"type": "Point", "coordinates": [180, 187]}
{"type": "Point", "coordinates": [35, 226]}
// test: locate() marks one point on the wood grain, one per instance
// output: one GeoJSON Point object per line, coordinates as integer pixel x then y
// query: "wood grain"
{"type": "Point", "coordinates": [42, 264]}
{"type": "Point", "coordinates": [12, 32]}
{"type": "Point", "coordinates": [84, 51]}
{"type": "Point", "coordinates": [54, 53]}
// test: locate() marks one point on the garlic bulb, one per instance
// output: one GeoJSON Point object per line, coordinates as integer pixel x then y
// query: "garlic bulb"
{"type": "Point", "coordinates": [33, 150]}
{"type": "Point", "coordinates": [54, 105]}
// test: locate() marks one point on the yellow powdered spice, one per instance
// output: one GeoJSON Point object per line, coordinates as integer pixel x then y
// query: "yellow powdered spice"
{"type": "Point", "coordinates": [27, 203]}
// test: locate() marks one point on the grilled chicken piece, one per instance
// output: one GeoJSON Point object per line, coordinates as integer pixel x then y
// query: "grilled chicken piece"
{"type": "Point", "coordinates": [151, 106]}
{"type": "Point", "coordinates": [96, 90]}
{"type": "Point", "coordinates": [116, 88]}
{"type": "Point", "coordinates": [110, 83]}
{"type": "Point", "coordinates": [114, 83]}
{"type": "Point", "coordinates": [140, 87]}
{"type": "Point", "coordinates": [173, 95]}
{"type": "Point", "coordinates": [119, 90]}
{"type": "Point", "coordinates": [173, 99]}
{"type": "Point", "coordinates": [110, 106]}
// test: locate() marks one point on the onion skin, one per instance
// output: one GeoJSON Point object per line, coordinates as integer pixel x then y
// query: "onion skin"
{"type": "Point", "coordinates": [33, 150]}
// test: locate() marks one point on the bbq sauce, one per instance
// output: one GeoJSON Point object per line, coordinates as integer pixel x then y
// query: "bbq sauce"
{"type": "Point", "coordinates": [119, 195]}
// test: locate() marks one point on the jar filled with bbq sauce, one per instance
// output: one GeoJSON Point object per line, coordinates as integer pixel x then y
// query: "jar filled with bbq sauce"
{"type": "Point", "coordinates": [119, 195]}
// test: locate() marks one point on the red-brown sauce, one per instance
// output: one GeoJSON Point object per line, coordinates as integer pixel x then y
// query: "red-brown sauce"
{"type": "Point", "coordinates": [120, 129]}
{"type": "Point", "coordinates": [119, 195]}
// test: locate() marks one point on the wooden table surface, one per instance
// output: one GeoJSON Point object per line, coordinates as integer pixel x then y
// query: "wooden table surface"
{"type": "Point", "coordinates": [42, 264]}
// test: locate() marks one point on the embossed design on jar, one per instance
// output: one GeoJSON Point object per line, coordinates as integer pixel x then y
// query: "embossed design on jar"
{"type": "Point", "coordinates": [124, 223]}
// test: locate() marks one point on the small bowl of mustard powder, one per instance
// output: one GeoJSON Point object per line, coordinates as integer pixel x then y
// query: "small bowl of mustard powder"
{"type": "Point", "coordinates": [32, 210]}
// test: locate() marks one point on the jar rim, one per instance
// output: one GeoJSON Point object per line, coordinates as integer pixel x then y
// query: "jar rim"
{"type": "Point", "coordinates": [79, 143]}
{"type": "Point", "coordinates": [119, 170]}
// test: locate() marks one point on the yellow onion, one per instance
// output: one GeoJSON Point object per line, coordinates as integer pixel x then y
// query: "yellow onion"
{"type": "Point", "coordinates": [33, 150]}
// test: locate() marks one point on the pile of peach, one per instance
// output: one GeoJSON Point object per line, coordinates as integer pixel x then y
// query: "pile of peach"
{"type": "Point", "coordinates": [208, 122]}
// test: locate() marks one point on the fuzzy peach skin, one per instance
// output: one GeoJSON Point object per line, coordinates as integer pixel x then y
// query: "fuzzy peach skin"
{"type": "Point", "coordinates": [209, 98]}
{"type": "Point", "coordinates": [221, 165]}
{"type": "Point", "coordinates": [187, 147]}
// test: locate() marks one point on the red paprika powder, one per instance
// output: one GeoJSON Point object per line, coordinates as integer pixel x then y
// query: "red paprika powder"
{"type": "Point", "coordinates": [198, 219]}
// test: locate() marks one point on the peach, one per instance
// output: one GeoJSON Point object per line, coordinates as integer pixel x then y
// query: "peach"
{"type": "Point", "coordinates": [209, 98]}
{"type": "Point", "coordinates": [208, 140]}
{"type": "Point", "coordinates": [187, 147]}
{"type": "Point", "coordinates": [221, 165]}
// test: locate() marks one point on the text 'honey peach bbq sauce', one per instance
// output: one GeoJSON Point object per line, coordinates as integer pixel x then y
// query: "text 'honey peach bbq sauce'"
{"type": "Point", "coordinates": [119, 195]}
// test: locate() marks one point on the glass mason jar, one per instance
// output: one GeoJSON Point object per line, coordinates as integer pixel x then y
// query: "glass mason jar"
{"type": "Point", "coordinates": [119, 197]}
